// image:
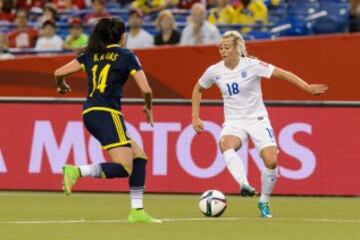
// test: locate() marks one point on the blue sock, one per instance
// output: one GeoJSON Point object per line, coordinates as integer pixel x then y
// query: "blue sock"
{"type": "Point", "coordinates": [137, 178]}
{"type": "Point", "coordinates": [113, 170]}
{"type": "Point", "coordinates": [137, 183]}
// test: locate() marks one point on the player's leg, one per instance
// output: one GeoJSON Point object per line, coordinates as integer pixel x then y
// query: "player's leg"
{"type": "Point", "coordinates": [137, 187]}
{"type": "Point", "coordinates": [269, 175]}
{"type": "Point", "coordinates": [230, 141]}
{"type": "Point", "coordinates": [120, 167]}
{"type": "Point", "coordinates": [268, 179]}
{"type": "Point", "coordinates": [110, 130]}
{"type": "Point", "coordinates": [137, 178]}
{"type": "Point", "coordinates": [229, 144]}
{"type": "Point", "coordinates": [263, 137]}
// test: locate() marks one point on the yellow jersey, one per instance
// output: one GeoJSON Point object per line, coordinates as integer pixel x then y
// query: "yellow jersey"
{"type": "Point", "coordinates": [222, 16]}
{"type": "Point", "coordinates": [255, 12]}
{"type": "Point", "coordinates": [146, 5]}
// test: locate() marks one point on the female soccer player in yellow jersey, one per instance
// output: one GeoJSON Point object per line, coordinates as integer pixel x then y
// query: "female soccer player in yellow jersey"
{"type": "Point", "coordinates": [238, 78]}
{"type": "Point", "coordinates": [108, 66]}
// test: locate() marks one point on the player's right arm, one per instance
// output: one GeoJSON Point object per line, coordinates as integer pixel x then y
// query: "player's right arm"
{"type": "Point", "coordinates": [195, 103]}
{"type": "Point", "coordinates": [205, 82]}
{"type": "Point", "coordinates": [66, 70]}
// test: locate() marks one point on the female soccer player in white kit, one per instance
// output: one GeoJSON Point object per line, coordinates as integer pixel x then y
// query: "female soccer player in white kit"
{"type": "Point", "coordinates": [238, 78]}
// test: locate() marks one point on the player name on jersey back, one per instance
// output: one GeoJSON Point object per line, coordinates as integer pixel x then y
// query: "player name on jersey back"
{"type": "Point", "coordinates": [109, 56]}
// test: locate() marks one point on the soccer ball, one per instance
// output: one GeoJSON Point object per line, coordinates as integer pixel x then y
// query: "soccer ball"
{"type": "Point", "coordinates": [212, 203]}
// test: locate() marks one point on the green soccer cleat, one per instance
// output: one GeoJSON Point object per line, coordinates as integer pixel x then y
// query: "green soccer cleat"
{"type": "Point", "coordinates": [70, 176]}
{"type": "Point", "coordinates": [140, 216]}
{"type": "Point", "coordinates": [247, 191]}
{"type": "Point", "coordinates": [264, 209]}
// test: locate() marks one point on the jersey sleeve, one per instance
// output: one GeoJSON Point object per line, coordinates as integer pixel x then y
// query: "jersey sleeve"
{"type": "Point", "coordinates": [134, 64]}
{"type": "Point", "coordinates": [264, 69]}
{"type": "Point", "coordinates": [81, 60]}
{"type": "Point", "coordinates": [207, 79]}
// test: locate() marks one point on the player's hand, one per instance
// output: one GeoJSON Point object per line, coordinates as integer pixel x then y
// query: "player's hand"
{"type": "Point", "coordinates": [149, 116]}
{"type": "Point", "coordinates": [198, 125]}
{"type": "Point", "coordinates": [63, 88]}
{"type": "Point", "coordinates": [317, 89]}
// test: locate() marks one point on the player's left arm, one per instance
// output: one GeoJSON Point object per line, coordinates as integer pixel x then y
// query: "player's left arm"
{"type": "Point", "coordinates": [66, 70]}
{"type": "Point", "coordinates": [143, 84]}
{"type": "Point", "coordinates": [314, 89]}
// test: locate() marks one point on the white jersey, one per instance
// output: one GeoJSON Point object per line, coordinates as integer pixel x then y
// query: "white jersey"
{"type": "Point", "coordinates": [54, 43]}
{"type": "Point", "coordinates": [209, 34]}
{"type": "Point", "coordinates": [240, 87]}
{"type": "Point", "coordinates": [142, 40]}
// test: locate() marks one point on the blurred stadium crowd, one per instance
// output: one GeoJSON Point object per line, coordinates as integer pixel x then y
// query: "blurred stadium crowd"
{"type": "Point", "coordinates": [32, 26]}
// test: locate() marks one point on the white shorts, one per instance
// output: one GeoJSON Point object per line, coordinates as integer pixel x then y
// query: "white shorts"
{"type": "Point", "coordinates": [259, 130]}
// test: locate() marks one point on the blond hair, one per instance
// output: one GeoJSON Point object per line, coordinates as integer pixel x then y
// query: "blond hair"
{"type": "Point", "coordinates": [162, 14]}
{"type": "Point", "coordinates": [238, 41]}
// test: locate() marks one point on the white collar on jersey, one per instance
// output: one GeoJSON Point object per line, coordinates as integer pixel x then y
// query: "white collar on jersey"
{"type": "Point", "coordinates": [236, 67]}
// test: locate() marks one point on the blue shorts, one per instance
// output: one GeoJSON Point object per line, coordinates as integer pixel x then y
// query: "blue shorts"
{"type": "Point", "coordinates": [107, 126]}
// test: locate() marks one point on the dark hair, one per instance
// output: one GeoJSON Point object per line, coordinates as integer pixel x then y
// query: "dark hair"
{"type": "Point", "coordinates": [106, 31]}
{"type": "Point", "coordinates": [49, 23]}
{"type": "Point", "coordinates": [8, 5]}
{"type": "Point", "coordinates": [52, 8]}
{"type": "Point", "coordinates": [102, 2]}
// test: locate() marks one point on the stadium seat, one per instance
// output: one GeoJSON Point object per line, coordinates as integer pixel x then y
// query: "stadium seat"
{"type": "Point", "coordinates": [277, 13]}
{"type": "Point", "coordinates": [6, 26]}
{"type": "Point", "coordinates": [303, 1]}
{"type": "Point", "coordinates": [112, 5]}
{"type": "Point", "coordinates": [329, 25]}
{"type": "Point", "coordinates": [299, 27]}
{"type": "Point", "coordinates": [123, 16]}
{"type": "Point", "coordinates": [255, 34]}
{"type": "Point", "coordinates": [62, 32]}
{"type": "Point", "coordinates": [181, 17]}
{"type": "Point", "coordinates": [334, 1]}
{"type": "Point", "coordinates": [337, 18]}
{"type": "Point", "coordinates": [122, 13]}
{"type": "Point", "coordinates": [303, 9]}
{"type": "Point", "coordinates": [267, 2]}
{"type": "Point", "coordinates": [180, 26]}
{"type": "Point", "coordinates": [83, 12]}
{"type": "Point", "coordinates": [340, 10]}
{"type": "Point", "coordinates": [150, 28]}
{"type": "Point", "coordinates": [66, 16]}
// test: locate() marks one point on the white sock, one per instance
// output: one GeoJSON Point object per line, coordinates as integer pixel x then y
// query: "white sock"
{"type": "Point", "coordinates": [235, 166]}
{"type": "Point", "coordinates": [85, 170]}
{"type": "Point", "coordinates": [93, 170]}
{"type": "Point", "coordinates": [136, 197]}
{"type": "Point", "coordinates": [268, 180]}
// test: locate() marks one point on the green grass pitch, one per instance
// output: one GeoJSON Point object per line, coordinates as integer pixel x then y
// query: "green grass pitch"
{"type": "Point", "coordinates": [42, 215]}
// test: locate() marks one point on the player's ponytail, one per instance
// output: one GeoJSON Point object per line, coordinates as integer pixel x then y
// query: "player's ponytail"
{"type": "Point", "coordinates": [239, 42]}
{"type": "Point", "coordinates": [106, 31]}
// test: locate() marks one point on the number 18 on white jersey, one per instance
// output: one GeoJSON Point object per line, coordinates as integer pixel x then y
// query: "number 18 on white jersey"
{"type": "Point", "coordinates": [240, 87]}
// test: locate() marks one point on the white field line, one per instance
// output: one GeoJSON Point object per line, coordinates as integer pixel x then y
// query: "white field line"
{"type": "Point", "coordinates": [169, 196]}
{"type": "Point", "coordinates": [203, 219]}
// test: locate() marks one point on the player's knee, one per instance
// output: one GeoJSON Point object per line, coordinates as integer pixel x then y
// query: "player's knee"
{"type": "Point", "coordinates": [125, 163]}
{"type": "Point", "coordinates": [129, 168]}
{"type": "Point", "coordinates": [141, 155]}
{"type": "Point", "coordinates": [269, 155]}
{"type": "Point", "coordinates": [225, 145]}
{"type": "Point", "coordinates": [271, 163]}
{"type": "Point", "coordinates": [137, 151]}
